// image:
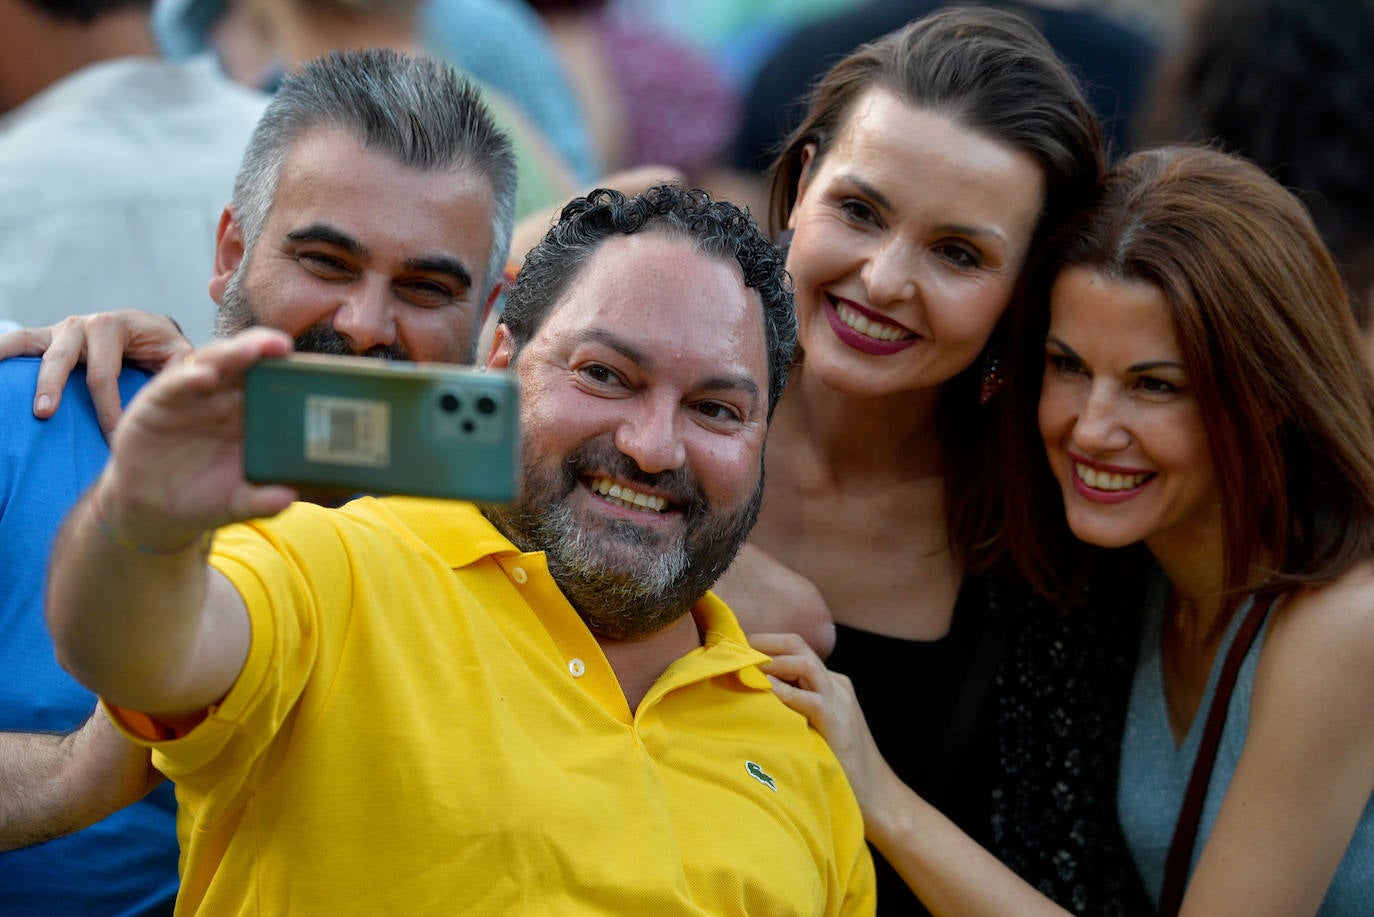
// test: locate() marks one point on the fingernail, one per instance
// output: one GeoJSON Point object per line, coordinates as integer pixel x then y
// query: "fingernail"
{"type": "Point", "coordinates": [42, 404]}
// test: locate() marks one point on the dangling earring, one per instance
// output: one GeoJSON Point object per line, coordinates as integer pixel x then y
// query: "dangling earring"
{"type": "Point", "coordinates": [992, 377]}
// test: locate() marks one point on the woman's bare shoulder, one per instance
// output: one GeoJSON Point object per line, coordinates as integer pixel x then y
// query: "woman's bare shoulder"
{"type": "Point", "coordinates": [1320, 652]}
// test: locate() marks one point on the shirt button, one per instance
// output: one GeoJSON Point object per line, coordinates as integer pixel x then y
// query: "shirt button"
{"type": "Point", "coordinates": [519, 575]}
{"type": "Point", "coordinates": [577, 667]}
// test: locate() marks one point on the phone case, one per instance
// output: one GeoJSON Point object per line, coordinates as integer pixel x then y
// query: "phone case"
{"type": "Point", "coordinates": [352, 425]}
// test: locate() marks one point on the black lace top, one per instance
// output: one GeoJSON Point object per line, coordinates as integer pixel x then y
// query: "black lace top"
{"type": "Point", "coordinates": [1029, 768]}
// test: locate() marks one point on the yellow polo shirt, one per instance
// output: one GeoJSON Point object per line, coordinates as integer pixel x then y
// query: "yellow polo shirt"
{"type": "Point", "coordinates": [425, 726]}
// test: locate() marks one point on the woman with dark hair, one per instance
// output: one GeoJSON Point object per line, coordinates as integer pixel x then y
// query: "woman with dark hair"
{"type": "Point", "coordinates": [1189, 399]}
{"type": "Point", "coordinates": [931, 165]}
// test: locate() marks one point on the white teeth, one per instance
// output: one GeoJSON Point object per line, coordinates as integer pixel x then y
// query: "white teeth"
{"type": "Point", "coordinates": [868, 328]}
{"type": "Point", "coordinates": [626, 497]}
{"type": "Point", "coordinates": [1106, 480]}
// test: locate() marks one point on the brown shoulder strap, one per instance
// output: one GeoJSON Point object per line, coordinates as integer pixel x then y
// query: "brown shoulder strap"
{"type": "Point", "coordinates": [1185, 832]}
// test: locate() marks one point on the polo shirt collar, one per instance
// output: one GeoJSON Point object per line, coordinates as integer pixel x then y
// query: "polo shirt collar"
{"type": "Point", "coordinates": [461, 535]}
{"type": "Point", "coordinates": [455, 530]}
{"type": "Point", "coordinates": [724, 646]}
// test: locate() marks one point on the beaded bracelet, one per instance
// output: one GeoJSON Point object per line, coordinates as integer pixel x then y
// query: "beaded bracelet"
{"type": "Point", "coordinates": [203, 539]}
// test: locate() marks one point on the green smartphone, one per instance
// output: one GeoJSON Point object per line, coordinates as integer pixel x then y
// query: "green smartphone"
{"type": "Point", "coordinates": [340, 425]}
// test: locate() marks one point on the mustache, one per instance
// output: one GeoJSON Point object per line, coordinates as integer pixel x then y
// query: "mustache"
{"type": "Point", "coordinates": [321, 338]}
{"type": "Point", "coordinates": [601, 457]}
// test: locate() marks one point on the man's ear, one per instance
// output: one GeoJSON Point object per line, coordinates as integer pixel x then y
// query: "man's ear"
{"type": "Point", "coordinates": [495, 294]}
{"type": "Point", "coordinates": [808, 163]}
{"type": "Point", "coordinates": [502, 349]}
{"type": "Point", "coordinates": [228, 253]}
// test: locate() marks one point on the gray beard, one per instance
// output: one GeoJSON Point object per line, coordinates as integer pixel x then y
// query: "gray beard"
{"type": "Point", "coordinates": [235, 312]}
{"type": "Point", "coordinates": [661, 582]}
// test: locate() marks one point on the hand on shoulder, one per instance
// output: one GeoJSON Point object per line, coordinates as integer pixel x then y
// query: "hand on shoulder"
{"type": "Point", "coordinates": [104, 341]}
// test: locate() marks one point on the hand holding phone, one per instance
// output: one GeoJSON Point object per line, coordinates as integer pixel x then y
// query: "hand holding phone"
{"type": "Point", "coordinates": [348, 425]}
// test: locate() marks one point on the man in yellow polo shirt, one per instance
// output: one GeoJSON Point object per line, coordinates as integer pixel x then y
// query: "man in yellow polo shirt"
{"type": "Point", "coordinates": [424, 706]}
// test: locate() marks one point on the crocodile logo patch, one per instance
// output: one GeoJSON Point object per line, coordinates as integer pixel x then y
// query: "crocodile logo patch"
{"type": "Point", "coordinates": [759, 774]}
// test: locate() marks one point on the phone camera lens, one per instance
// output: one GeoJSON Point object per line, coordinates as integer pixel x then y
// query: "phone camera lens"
{"type": "Point", "coordinates": [449, 403]}
{"type": "Point", "coordinates": [486, 405]}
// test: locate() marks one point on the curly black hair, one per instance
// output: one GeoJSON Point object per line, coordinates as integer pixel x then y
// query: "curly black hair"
{"type": "Point", "coordinates": [718, 228]}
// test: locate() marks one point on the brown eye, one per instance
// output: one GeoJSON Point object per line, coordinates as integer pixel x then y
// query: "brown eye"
{"type": "Point", "coordinates": [323, 265]}
{"type": "Point", "coordinates": [427, 293]}
{"type": "Point", "coordinates": [858, 211]}
{"type": "Point", "coordinates": [1152, 385]}
{"type": "Point", "coordinates": [1066, 365]}
{"type": "Point", "coordinates": [602, 375]}
{"type": "Point", "coordinates": [961, 255]}
{"type": "Point", "coordinates": [716, 410]}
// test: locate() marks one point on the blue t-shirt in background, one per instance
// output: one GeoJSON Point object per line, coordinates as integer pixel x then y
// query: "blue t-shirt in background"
{"type": "Point", "coordinates": [126, 864]}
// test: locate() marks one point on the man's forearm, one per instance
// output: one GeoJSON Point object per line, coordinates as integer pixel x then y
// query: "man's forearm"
{"type": "Point", "coordinates": [135, 612]}
{"type": "Point", "coordinates": [52, 785]}
{"type": "Point", "coordinates": [33, 804]}
{"type": "Point", "coordinates": [124, 617]}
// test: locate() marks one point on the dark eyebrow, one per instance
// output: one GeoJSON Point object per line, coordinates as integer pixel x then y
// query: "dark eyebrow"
{"type": "Point", "coordinates": [632, 353]}
{"type": "Point", "coordinates": [1145, 367]}
{"type": "Point", "coordinates": [323, 232]}
{"type": "Point", "coordinates": [869, 191]}
{"type": "Point", "coordinates": [427, 264]}
{"type": "Point", "coordinates": [1051, 339]}
{"type": "Point", "coordinates": [960, 229]}
{"type": "Point", "coordinates": [441, 264]}
{"type": "Point", "coordinates": [1151, 365]}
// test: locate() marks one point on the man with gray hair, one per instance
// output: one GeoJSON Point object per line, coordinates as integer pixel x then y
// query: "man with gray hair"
{"type": "Point", "coordinates": [372, 215]}
{"type": "Point", "coordinates": [373, 137]}
{"type": "Point", "coordinates": [431, 706]}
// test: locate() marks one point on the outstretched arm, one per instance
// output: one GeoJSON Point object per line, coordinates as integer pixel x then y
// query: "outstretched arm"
{"type": "Point", "coordinates": [103, 341]}
{"type": "Point", "coordinates": [948, 871]}
{"type": "Point", "coordinates": [52, 785]}
{"type": "Point", "coordinates": [136, 613]}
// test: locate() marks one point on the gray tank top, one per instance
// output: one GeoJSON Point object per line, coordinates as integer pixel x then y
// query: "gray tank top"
{"type": "Point", "coordinates": [1154, 774]}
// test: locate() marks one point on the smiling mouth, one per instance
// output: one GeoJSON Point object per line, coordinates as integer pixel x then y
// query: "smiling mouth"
{"type": "Point", "coordinates": [627, 497]}
{"type": "Point", "coordinates": [1109, 481]}
{"type": "Point", "coordinates": [862, 324]}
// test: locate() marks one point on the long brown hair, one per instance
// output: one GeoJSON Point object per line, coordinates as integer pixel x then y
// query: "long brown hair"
{"type": "Point", "coordinates": [994, 74]}
{"type": "Point", "coordinates": [1272, 352]}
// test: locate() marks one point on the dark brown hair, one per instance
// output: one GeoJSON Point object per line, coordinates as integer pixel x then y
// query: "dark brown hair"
{"type": "Point", "coordinates": [992, 73]}
{"type": "Point", "coordinates": [1273, 356]}
{"type": "Point", "coordinates": [989, 70]}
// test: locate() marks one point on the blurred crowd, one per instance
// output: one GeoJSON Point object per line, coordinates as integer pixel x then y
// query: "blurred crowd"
{"type": "Point", "coordinates": [701, 91]}
{"type": "Point", "coordinates": [172, 173]}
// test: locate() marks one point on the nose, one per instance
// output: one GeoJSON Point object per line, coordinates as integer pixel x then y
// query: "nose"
{"type": "Point", "coordinates": [1100, 427]}
{"type": "Point", "coordinates": [650, 436]}
{"type": "Point", "coordinates": [366, 318]}
{"type": "Point", "coordinates": [890, 273]}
